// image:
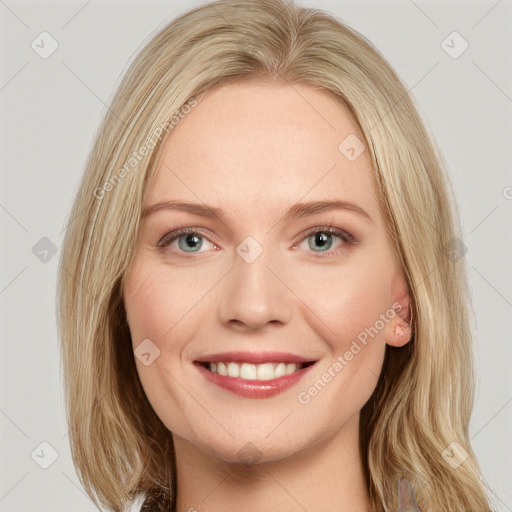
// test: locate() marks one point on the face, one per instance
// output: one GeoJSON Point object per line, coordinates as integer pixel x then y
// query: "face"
{"type": "Point", "coordinates": [300, 300]}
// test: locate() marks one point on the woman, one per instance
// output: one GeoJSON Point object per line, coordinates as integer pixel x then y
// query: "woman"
{"type": "Point", "coordinates": [261, 299]}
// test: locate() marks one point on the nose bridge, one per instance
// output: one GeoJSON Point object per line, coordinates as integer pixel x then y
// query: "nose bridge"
{"type": "Point", "coordinates": [253, 295]}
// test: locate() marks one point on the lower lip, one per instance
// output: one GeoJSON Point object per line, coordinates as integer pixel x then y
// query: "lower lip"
{"type": "Point", "coordinates": [254, 388]}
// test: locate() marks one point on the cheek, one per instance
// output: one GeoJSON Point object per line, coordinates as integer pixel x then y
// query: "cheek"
{"type": "Point", "coordinates": [346, 301]}
{"type": "Point", "coordinates": [159, 301]}
{"type": "Point", "coordinates": [349, 309]}
{"type": "Point", "coordinates": [156, 309]}
{"type": "Point", "coordinates": [144, 307]}
{"type": "Point", "coordinates": [349, 304]}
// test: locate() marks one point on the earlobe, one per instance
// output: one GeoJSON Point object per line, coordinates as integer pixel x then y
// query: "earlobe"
{"type": "Point", "coordinates": [402, 334]}
{"type": "Point", "coordinates": [401, 324]}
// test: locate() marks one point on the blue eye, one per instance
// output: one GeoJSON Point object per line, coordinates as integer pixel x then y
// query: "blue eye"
{"type": "Point", "coordinates": [189, 240]}
{"type": "Point", "coordinates": [320, 239]}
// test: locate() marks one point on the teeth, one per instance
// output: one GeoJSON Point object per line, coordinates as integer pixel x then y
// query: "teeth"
{"type": "Point", "coordinates": [248, 371]}
{"type": "Point", "coordinates": [221, 369]}
{"type": "Point", "coordinates": [291, 368]}
{"type": "Point", "coordinates": [266, 371]}
{"type": "Point", "coordinates": [233, 370]}
{"type": "Point", "coordinates": [281, 370]}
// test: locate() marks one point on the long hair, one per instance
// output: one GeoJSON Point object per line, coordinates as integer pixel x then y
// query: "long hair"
{"type": "Point", "coordinates": [424, 397]}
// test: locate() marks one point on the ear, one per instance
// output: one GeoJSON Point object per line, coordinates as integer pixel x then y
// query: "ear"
{"type": "Point", "coordinates": [399, 328]}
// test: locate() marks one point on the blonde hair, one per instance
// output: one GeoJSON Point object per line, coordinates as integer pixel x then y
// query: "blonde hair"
{"type": "Point", "coordinates": [424, 397]}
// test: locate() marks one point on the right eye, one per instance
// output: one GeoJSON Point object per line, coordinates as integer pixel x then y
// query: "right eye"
{"type": "Point", "coordinates": [189, 240]}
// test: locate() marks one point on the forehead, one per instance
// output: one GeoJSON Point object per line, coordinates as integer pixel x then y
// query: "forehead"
{"type": "Point", "coordinates": [252, 144]}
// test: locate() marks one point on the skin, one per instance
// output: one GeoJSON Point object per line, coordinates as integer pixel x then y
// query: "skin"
{"type": "Point", "coordinates": [255, 150]}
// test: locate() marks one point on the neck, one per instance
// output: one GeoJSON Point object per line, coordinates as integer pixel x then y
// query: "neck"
{"type": "Point", "coordinates": [326, 476]}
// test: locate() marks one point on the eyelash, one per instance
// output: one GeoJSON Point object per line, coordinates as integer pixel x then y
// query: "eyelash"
{"type": "Point", "coordinates": [346, 238]}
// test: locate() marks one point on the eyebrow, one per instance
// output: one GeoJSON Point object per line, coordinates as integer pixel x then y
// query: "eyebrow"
{"type": "Point", "coordinates": [296, 211]}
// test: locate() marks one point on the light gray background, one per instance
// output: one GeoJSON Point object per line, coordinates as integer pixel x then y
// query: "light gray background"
{"type": "Point", "coordinates": [50, 110]}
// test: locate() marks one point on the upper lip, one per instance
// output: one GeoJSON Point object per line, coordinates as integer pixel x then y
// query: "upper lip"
{"type": "Point", "coordinates": [255, 358]}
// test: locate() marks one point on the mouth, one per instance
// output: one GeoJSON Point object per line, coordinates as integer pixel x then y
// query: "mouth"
{"type": "Point", "coordinates": [248, 371]}
{"type": "Point", "coordinates": [254, 375]}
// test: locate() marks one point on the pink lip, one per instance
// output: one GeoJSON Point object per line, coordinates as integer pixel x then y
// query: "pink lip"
{"type": "Point", "coordinates": [254, 358]}
{"type": "Point", "coordinates": [253, 388]}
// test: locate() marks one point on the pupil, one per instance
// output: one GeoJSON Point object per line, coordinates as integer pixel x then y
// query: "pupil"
{"type": "Point", "coordinates": [323, 240]}
{"type": "Point", "coordinates": [191, 241]}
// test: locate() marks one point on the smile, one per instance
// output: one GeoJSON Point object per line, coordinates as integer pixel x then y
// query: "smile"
{"type": "Point", "coordinates": [254, 375]}
{"type": "Point", "coordinates": [248, 371]}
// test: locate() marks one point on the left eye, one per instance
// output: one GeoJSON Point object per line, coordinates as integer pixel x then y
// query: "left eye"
{"type": "Point", "coordinates": [191, 241]}
{"type": "Point", "coordinates": [322, 238]}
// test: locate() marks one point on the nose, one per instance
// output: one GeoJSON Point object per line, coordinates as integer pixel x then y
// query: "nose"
{"type": "Point", "coordinates": [254, 294]}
